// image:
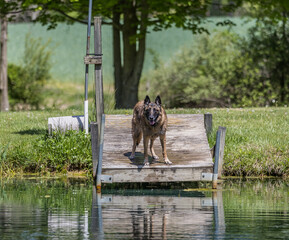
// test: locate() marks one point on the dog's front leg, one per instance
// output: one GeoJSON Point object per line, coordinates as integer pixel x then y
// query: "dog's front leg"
{"type": "Point", "coordinates": [146, 143]}
{"type": "Point", "coordinates": [133, 150]}
{"type": "Point", "coordinates": [152, 148]}
{"type": "Point", "coordinates": [164, 149]}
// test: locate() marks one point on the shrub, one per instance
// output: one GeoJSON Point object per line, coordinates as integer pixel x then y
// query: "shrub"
{"type": "Point", "coordinates": [213, 72]}
{"type": "Point", "coordinates": [26, 82]}
{"type": "Point", "coordinates": [59, 152]}
{"type": "Point", "coordinates": [268, 46]}
{"type": "Point", "coordinates": [62, 152]}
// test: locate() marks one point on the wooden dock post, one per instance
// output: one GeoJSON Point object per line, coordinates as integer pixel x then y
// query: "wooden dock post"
{"type": "Point", "coordinates": [98, 71]}
{"type": "Point", "coordinates": [94, 147]}
{"type": "Point", "coordinates": [219, 155]}
{"type": "Point", "coordinates": [100, 154]}
{"type": "Point", "coordinates": [97, 129]}
{"type": "Point", "coordinates": [99, 97]}
{"type": "Point", "coordinates": [208, 120]}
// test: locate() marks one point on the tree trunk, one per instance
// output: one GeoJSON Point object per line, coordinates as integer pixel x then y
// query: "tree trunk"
{"type": "Point", "coordinates": [127, 74]}
{"type": "Point", "coordinates": [4, 102]}
{"type": "Point", "coordinates": [282, 80]}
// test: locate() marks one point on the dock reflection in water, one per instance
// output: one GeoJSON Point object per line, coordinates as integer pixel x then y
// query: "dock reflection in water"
{"type": "Point", "coordinates": [57, 209]}
{"type": "Point", "coordinates": [193, 216]}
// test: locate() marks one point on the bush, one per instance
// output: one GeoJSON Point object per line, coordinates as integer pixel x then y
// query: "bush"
{"type": "Point", "coordinates": [60, 152]}
{"type": "Point", "coordinates": [63, 152]}
{"type": "Point", "coordinates": [268, 46]}
{"type": "Point", "coordinates": [26, 82]}
{"type": "Point", "coordinates": [214, 72]}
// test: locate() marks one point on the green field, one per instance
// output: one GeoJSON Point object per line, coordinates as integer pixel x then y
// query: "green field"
{"type": "Point", "coordinates": [256, 142]}
{"type": "Point", "coordinates": [68, 45]}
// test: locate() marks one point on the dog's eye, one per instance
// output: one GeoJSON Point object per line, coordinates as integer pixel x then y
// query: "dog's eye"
{"type": "Point", "coordinates": [147, 112]}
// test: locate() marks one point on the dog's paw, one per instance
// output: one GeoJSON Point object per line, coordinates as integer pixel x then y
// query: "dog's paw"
{"type": "Point", "coordinates": [131, 157]}
{"type": "Point", "coordinates": [167, 161]}
{"type": "Point", "coordinates": [155, 157]}
{"type": "Point", "coordinates": [146, 162]}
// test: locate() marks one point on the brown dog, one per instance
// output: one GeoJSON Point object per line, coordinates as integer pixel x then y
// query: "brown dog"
{"type": "Point", "coordinates": [150, 121]}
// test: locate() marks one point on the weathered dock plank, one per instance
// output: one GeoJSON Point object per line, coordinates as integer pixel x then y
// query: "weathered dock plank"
{"type": "Point", "coordinates": [187, 148]}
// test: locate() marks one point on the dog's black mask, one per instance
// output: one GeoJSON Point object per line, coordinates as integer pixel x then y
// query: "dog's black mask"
{"type": "Point", "coordinates": [152, 110]}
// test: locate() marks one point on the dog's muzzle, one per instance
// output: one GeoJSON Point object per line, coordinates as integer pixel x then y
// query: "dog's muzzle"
{"type": "Point", "coordinates": [153, 121]}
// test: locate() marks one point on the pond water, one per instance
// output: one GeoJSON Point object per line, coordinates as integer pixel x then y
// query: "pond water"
{"type": "Point", "coordinates": [71, 209]}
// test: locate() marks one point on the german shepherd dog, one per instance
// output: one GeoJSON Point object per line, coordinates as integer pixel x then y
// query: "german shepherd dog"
{"type": "Point", "coordinates": [149, 121]}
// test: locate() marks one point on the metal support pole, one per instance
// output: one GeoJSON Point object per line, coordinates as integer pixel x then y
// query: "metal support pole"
{"type": "Point", "coordinates": [87, 68]}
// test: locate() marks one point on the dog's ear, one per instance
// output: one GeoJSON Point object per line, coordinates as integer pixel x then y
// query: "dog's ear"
{"type": "Point", "coordinates": [147, 100]}
{"type": "Point", "coordinates": [158, 101]}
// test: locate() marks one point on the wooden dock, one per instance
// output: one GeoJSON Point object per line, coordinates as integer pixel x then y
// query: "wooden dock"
{"type": "Point", "coordinates": [111, 141]}
{"type": "Point", "coordinates": [187, 148]}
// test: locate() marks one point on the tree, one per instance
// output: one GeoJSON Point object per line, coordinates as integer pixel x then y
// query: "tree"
{"type": "Point", "coordinates": [4, 14]}
{"type": "Point", "coordinates": [8, 10]}
{"type": "Point", "coordinates": [26, 82]}
{"type": "Point", "coordinates": [131, 20]}
{"type": "Point", "coordinates": [269, 42]}
{"type": "Point", "coordinates": [4, 102]}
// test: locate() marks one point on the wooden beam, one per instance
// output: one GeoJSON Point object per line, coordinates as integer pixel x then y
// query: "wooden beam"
{"type": "Point", "coordinates": [165, 174]}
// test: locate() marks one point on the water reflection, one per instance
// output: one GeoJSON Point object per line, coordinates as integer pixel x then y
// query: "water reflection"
{"type": "Point", "coordinates": [157, 217]}
{"type": "Point", "coordinates": [44, 209]}
{"type": "Point", "coordinates": [70, 209]}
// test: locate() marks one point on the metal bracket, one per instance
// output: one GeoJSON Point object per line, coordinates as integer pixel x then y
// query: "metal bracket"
{"type": "Point", "coordinates": [106, 179]}
{"type": "Point", "coordinates": [97, 60]}
{"type": "Point", "coordinates": [207, 202]}
{"type": "Point", "coordinates": [207, 176]}
{"type": "Point", "coordinates": [106, 199]}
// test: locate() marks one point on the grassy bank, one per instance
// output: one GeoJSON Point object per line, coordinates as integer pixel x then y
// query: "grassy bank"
{"type": "Point", "coordinates": [256, 142]}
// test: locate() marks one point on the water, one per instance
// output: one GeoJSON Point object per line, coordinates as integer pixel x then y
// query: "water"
{"type": "Point", "coordinates": [71, 209]}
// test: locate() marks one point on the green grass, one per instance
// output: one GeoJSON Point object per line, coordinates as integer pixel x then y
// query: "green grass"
{"type": "Point", "coordinates": [256, 141]}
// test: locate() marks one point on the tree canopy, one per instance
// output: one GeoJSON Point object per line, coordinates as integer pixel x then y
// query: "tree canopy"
{"type": "Point", "coordinates": [131, 20]}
